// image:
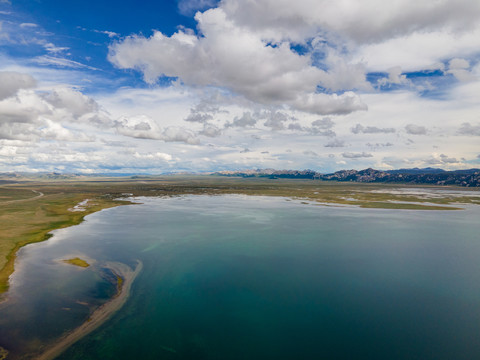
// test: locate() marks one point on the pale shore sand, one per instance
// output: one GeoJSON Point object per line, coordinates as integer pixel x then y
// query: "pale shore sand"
{"type": "Point", "coordinates": [100, 315]}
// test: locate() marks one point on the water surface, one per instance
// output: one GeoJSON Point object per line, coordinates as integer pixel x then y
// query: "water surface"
{"type": "Point", "coordinates": [237, 277]}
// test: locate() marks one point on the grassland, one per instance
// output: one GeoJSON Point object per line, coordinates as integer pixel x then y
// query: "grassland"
{"type": "Point", "coordinates": [29, 210]}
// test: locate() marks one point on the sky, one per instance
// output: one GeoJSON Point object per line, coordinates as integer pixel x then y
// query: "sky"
{"type": "Point", "coordinates": [203, 85]}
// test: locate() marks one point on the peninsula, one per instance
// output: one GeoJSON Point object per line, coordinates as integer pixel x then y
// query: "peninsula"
{"type": "Point", "coordinates": [99, 316]}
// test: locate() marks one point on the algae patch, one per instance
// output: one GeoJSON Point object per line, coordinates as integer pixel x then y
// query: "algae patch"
{"type": "Point", "coordinates": [3, 353]}
{"type": "Point", "coordinates": [77, 262]}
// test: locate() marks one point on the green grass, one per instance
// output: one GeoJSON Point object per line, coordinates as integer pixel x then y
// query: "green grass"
{"type": "Point", "coordinates": [77, 262]}
{"type": "Point", "coordinates": [3, 353]}
{"type": "Point", "coordinates": [26, 218]}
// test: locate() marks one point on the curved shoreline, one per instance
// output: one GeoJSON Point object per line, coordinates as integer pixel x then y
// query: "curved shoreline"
{"type": "Point", "coordinates": [322, 192]}
{"type": "Point", "coordinates": [99, 316]}
{"type": "Point", "coordinates": [43, 235]}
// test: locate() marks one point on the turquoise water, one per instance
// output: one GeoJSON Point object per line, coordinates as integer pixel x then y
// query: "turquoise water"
{"type": "Point", "coordinates": [236, 277]}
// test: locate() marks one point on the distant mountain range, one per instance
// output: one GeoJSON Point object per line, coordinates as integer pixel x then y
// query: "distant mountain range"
{"type": "Point", "coordinates": [433, 176]}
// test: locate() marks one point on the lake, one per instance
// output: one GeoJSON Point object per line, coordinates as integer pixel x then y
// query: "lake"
{"type": "Point", "coordinates": [238, 277]}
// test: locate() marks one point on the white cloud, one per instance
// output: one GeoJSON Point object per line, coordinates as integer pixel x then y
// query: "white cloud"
{"type": "Point", "coordinates": [11, 82]}
{"type": "Point", "coordinates": [395, 76]}
{"type": "Point", "coordinates": [157, 155]}
{"type": "Point", "coordinates": [74, 101]}
{"type": "Point", "coordinates": [28, 25]}
{"type": "Point", "coordinates": [53, 49]}
{"type": "Point", "coordinates": [459, 68]}
{"type": "Point", "coordinates": [349, 155]}
{"type": "Point", "coordinates": [251, 67]}
{"type": "Point", "coordinates": [360, 129]}
{"type": "Point", "coordinates": [30, 115]}
{"type": "Point", "coordinates": [276, 120]}
{"type": "Point", "coordinates": [110, 34]}
{"type": "Point", "coordinates": [50, 130]}
{"type": "Point", "coordinates": [211, 130]}
{"type": "Point", "coordinates": [469, 129]}
{"type": "Point", "coordinates": [235, 58]}
{"type": "Point", "coordinates": [419, 50]}
{"type": "Point", "coordinates": [198, 117]}
{"type": "Point", "coordinates": [361, 21]}
{"type": "Point", "coordinates": [143, 127]}
{"type": "Point", "coordinates": [335, 143]}
{"type": "Point", "coordinates": [247, 119]}
{"type": "Point", "coordinates": [61, 62]}
{"type": "Point", "coordinates": [440, 160]}
{"type": "Point", "coordinates": [413, 129]}
{"type": "Point", "coordinates": [324, 124]}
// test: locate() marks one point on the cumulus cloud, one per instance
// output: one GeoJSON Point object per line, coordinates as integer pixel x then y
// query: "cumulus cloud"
{"type": "Point", "coordinates": [440, 160]}
{"type": "Point", "coordinates": [413, 129]}
{"type": "Point", "coordinates": [321, 130]}
{"type": "Point", "coordinates": [11, 82]}
{"type": "Point", "coordinates": [319, 103]}
{"type": "Point", "coordinates": [143, 127]}
{"type": "Point", "coordinates": [236, 58]}
{"type": "Point", "coordinates": [360, 129]}
{"type": "Point", "coordinates": [324, 124]}
{"type": "Point", "coordinates": [395, 76]}
{"type": "Point", "coordinates": [211, 130]}
{"type": "Point", "coordinates": [179, 134]}
{"type": "Point", "coordinates": [459, 68]}
{"type": "Point", "coordinates": [57, 113]}
{"type": "Point", "coordinates": [469, 129]}
{"type": "Point", "coordinates": [247, 119]}
{"type": "Point", "coordinates": [50, 130]}
{"type": "Point", "coordinates": [72, 100]}
{"type": "Point", "coordinates": [198, 117]}
{"type": "Point", "coordinates": [276, 120]}
{"type": "Point", "coordinates": [368, 21]}
{"type": "Point", "coordinates": [279, 67]}
{"type": "Point", "coordinates": [30, 115]}
{"type": "Point", "coordinates": [419, 50]}
{"type": "Point", "coordinates": [335, 143]}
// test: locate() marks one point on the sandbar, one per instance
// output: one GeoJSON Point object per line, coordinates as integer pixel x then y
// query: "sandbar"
{"type": "Point", "coordinates": [100, 315]}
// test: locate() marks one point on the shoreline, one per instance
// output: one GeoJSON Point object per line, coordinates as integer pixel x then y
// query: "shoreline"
{"type": "Point", "coordinates": [9, 267]}
{"type": "Point", "coordinates": [323, 193]}
{"type": "Point", "coordinates": [100, 315]}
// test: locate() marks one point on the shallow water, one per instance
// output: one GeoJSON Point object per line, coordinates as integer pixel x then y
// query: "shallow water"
{"type": "Point", "coordinates": [237, 277]}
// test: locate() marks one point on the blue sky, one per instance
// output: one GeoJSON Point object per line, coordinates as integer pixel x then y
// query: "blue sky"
{"type": "Point", "coordinates": [204, 85]}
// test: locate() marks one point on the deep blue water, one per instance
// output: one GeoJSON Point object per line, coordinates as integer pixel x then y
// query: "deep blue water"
{"type": "Point", "coordinates": [237, 277]}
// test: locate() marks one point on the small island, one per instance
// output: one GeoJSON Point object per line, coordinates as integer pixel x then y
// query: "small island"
{"type": "Point", "coordinates": [3, 353]}
{"type": "Point", "coordinates": [77, 262]}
